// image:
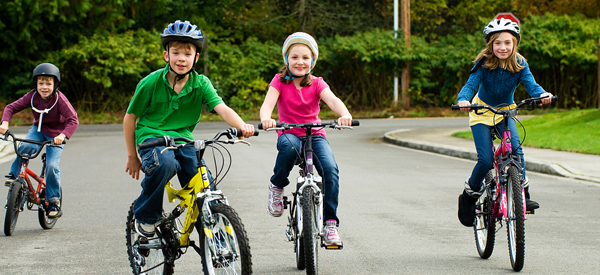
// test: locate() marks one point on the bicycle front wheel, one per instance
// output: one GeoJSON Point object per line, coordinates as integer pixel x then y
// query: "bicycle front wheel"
{"type": "Point", "coordinates": [485, 223]}
{"type": "Point", "coordinates": [45, 222]}
{"type": "Point", "coordinates": [144, 260]}
{"type": "Point", "coordinates": [224, 245]}
{"type": "Point", "coordinates": [515, 223]}
{"type": "Point", "coordinates": [13, 206]}
{"type": "Point", "coordinates": [310, 232]}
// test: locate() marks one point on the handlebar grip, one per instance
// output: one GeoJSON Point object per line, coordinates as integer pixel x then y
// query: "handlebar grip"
{"type": "Point", "coordinates": [355, 123]}
{"type": "Point", "coordinates": [259, 126]}
{"type": "Point", "coordinates": [239, 133]}
{"type": "Point", "coordinates": [455, 107]}
{"type": "Point", "coordinates": [153, 143]}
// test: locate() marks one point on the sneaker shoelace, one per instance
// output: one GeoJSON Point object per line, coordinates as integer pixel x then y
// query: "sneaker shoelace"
{"type": "Point", "coordinates": [331, 231]}
{"type": "Point", "coordinates": [276, 195]}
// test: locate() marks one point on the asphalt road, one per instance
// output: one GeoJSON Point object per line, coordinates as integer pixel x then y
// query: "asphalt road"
{"type": "Point", "coordinates": [397, 210]}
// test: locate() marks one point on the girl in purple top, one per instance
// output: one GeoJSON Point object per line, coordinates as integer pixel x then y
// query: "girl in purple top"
{"type": "Point", "coordinates": [297, 95]}
{"type": "Point", "coordinates": [53, 119]}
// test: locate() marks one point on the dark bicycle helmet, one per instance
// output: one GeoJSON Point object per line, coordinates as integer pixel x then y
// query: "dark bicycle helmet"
{"type": "Point", "coordinates": [46, 69]}
{"type": "Point", "coordinates": [182, 31]}
{"type": "Point", "coordinates": [502, 25]}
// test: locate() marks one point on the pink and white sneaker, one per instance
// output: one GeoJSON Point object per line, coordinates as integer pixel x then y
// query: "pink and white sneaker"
{"type": "Point", "coordinates": [275, 204]}
{"type": "Point", "coordinates": [331, 237]}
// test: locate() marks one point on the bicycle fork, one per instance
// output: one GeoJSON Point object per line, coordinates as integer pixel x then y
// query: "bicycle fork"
{"type": "Point", "coordinates": [310, 182]}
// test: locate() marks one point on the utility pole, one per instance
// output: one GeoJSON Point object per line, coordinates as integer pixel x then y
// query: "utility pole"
{"type": "Point", "coordinates": [406, 70]}
{"type": "Point", "coordinates": [598, 73]}
{"type": "Point", "coordinates": [395, 36]}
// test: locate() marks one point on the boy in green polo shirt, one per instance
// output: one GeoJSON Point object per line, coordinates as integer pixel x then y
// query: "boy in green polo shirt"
{"type": "Point", "coordinates": [168, 102]}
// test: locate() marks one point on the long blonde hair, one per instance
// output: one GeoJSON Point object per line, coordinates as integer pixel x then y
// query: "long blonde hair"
{"type": "Point", "coordinates": [511, 64]}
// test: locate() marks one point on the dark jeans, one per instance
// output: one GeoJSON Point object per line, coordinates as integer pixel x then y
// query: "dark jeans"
{"type": "Point", "coordinates": [325, 164]}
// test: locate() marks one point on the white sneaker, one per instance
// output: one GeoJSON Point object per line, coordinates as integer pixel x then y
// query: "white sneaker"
{"type": "Point", "coordinates": [331, 237]}
{"type": "Point", "coordinates": [275, 204]}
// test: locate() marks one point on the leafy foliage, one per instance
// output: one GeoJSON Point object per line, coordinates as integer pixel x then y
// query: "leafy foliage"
{"type": "Point", "coordinates": [104, 47]}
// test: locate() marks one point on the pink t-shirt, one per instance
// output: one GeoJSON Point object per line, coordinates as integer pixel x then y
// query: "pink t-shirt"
{"type": "Point", "coordinates": [299, 106]}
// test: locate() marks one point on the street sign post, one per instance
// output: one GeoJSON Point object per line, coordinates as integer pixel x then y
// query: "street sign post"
{"type": "Point", "coordinates": [508, 15]}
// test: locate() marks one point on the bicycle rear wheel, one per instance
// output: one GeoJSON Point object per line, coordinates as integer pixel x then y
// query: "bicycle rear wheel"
{"type": "Point", "coordinates": [45, 222]}
{"type": "Point", "coordinates": [142, 260]}
{"type": "Point", "coordinates": [310, 231]}
{"type": "Point", "coordinates": [228, 238]}
{"type": "Point", "coordinates": [13, 206]}
{"type": "Point", "coordinates": [515, 223]}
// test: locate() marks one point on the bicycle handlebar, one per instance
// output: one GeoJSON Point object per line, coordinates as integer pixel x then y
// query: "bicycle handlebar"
{"type": "Point", "coordinates": [532, 102]}
{"type": "Point", "coordinates": [170, 141]}
{"type": "Point", "coordinates": [287, 126]}
{"type": "Point", "coordinates": [49, 142]}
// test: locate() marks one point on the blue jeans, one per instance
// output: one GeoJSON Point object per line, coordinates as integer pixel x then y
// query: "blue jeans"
{"type": "Point", "coordinates": [325, 164]}
{"type": "Point", "coordinates": [159, 169]}
{"type": "Point", "coordinates": [52, 160]}
{"type": "Point", "coordinates": [485, 155]}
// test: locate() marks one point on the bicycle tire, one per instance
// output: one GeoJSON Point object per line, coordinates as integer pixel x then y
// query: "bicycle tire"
{"type": "Point", "coordinates": [13, 206]}
{"type": "Point", "coordinates": [138, 258]}
{"type": "Point", "coordinates": [45, 222]}
{"type": "Point", "coordinates": [515, 224]}
{"type": "Point", "coordinates": [485, 223]}
{"type": "Point", "coordinates": [300, 259]}
{"type": "Point", "coordinates": [309, 235]}
{"type": "Point", "coordinates": [230, 240]}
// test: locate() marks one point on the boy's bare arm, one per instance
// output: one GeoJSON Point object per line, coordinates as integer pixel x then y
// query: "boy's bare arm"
{"type": "Point", "coordinates": [134, 164]}
{"type": "Point", "coordinates": [234, 120]}
{"type": "Point", "coordinates": [337, 106]}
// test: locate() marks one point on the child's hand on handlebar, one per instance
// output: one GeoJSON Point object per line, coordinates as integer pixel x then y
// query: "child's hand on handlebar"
{"type": "Point", "coordinates": [247, 130]}
{"type": "Point", "coordinates": [3, 127]}
{"type": "Point", "coordinates": [345, 121]}
{"type": "Point", "coordinates": [58, 140]}
{"type": "Point", "coordinates": [547, 98]}
{"type": "Point", "coordinates": [464, 103]}
{"type": "Point", "coordinates": [268, 123]}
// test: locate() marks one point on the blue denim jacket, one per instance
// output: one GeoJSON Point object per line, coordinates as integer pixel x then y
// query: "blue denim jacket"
{"type": "Point", "coordinates": [498, 86]}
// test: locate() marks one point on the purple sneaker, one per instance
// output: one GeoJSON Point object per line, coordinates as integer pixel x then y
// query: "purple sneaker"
{"type": "Point", "coordinates": [331, 237]}
{"type": "Point", "coordinates": [275, 205]}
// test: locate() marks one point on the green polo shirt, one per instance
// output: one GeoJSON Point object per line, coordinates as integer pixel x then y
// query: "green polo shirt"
{"type": "Point", "coordinates": [163, 112]}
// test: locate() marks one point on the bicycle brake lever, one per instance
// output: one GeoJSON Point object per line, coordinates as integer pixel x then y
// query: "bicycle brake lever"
{"type": "Point", "coordinates": [168, 148]}
{"type": "Point", "coordinates": [242, 141]}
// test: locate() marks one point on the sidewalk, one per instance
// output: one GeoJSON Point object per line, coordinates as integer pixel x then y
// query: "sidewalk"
{"type": "Point", "coordinates": [565, 164]}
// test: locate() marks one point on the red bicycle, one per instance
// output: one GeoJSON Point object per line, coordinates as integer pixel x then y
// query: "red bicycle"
{"type": "Point", "coordinates": [22, 192]}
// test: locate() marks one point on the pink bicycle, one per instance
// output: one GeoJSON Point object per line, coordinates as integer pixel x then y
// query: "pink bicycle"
{"type": "Point", "coordinates": [503, 196]}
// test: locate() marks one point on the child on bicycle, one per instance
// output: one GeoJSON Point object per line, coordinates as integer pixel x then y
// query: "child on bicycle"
{"type": "Point", "coordinates": [498, 70]}
{"type": "Point", "coordinates": [168, 102]}
{"type": "Point", "coordinates": [53, 119]}
{"type": "Point", "coordinates": [297, 94]}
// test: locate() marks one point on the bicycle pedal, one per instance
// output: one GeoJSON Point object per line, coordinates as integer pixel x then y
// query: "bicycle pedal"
{"type": "Point", "coordinates": [530, 212]}
{"type": "Point", "coordinates": [333, 247]}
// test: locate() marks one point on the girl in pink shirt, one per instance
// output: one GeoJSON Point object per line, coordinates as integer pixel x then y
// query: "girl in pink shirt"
{"type": "Point", "coordinates": [297, 94]}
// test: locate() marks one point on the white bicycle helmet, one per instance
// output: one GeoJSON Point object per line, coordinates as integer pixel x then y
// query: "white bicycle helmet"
{"type": "Point", "coordinates": [502, 25]}
{"type": "Point", "coordinates": [301, 38]}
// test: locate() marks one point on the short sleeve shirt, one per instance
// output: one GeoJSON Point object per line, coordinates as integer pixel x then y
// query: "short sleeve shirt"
{"type": "Point", "coordinates": [163, 112]}
{"type": "Point", "coordinates": [299, 105]}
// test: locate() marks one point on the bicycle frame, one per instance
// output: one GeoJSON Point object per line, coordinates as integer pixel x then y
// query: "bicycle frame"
{"type": "Point", "coordinates": [503, 157]}
{"type": "Point", "coordinates": [308, 179]}
{"type": "Point", "coordinates": [27, 174]}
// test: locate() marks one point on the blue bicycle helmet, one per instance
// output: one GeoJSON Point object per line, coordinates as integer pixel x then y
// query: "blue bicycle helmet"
{"type": "Point", "coordinates": [46, 69]}
{"type": "Point", "coordinates": [182, 31]}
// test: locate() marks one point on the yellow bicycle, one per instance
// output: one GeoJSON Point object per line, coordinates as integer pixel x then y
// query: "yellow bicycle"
{"type": "Point", "coordinates": [224, 246]}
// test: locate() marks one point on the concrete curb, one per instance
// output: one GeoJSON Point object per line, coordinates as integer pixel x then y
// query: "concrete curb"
{"type": "Point", "coordinates": [530, 163]}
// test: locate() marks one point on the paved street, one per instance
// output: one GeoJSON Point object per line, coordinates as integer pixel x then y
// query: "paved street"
{"type": "Point", "coordinates": [397, 210]}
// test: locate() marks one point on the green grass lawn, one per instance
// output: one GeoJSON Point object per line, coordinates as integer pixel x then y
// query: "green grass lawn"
{"type": "Point", "coordinates": [572, 131]}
